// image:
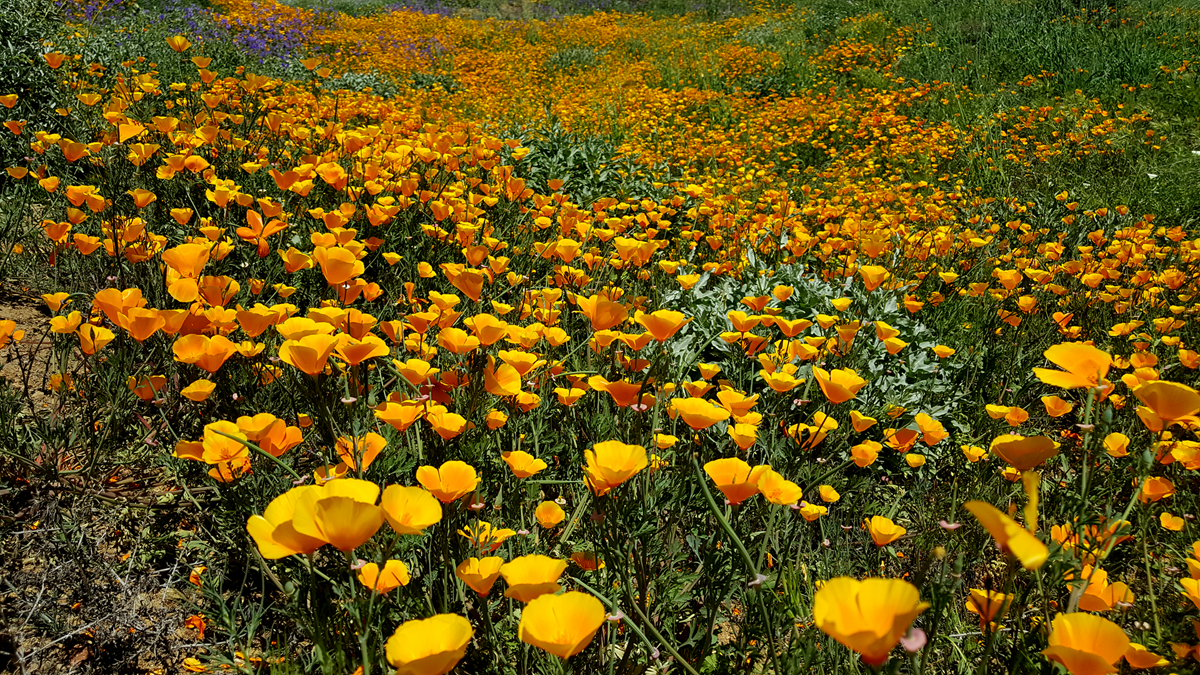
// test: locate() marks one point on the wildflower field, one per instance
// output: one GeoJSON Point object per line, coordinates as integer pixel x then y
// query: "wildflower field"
{"type": "Point", "coordinates": [599, 337]}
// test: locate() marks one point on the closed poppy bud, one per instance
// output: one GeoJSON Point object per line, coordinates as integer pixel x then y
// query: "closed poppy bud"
{"type": "Point", "coordinates": [828, 494]}
{"type": "Point", "coordinates": [549, 514]}
{"type": "Point", "coordinates": [883, 531]}
{"type": "Point", "coordinates": [914, 460]}
{"type": "Point", "coordinates": [529, 576]}
{"type": "Point", "coordinates": [562, 625]}
{"type": "Point", "coordinates": [480, 574]}
{"type": "Point", "coordinates": [393, 575]}
{"type": "Point", "coordinates": [341, 513]}
{"type": "Point", "coordinates": [868, 616]}
{"type": "Point", "coordinates": [449, 482]}
{"type": "Point", "coordinates": [1086, 644]}
{"type": "Point", "coordinates": [430, 646]}
{"type": "Point", "coordinates": [409, 510]}
{"type": "Point", "coordinates": [522, 463]}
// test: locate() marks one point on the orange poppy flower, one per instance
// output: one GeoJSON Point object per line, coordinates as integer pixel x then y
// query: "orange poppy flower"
{"type": "Point", "coordinates": [339, 265]}
{"type": "Point", "coordinates": [562, 625]}
{"type": "Point", "coordinates": [883, 531]}
{"type": "Point", "coordinates": [611, 463]}
{"type": "Point", "coordinates": [400, 414]}
{"type": "Point", "coordinates": [868, 616]}
{"type": "Point", "coordinates": [480, 574]}
{"type": "Point", "coordinates": [409, 510]}
{"type": "Point", "coordinates": [354, 352]}
{"type": "Point", "coordinates": [1167, 403]}
{"type": "Point", "coordinates": [450, 481]}
{"type": "Point", "coordinates": [308, 354]}
{"type": "Point", "coordinates": [1086, 644]}
{"type": "Point", "coordinates": [529, 576]}
{"type": "Point", "coordinates": [393, 575]}
{"type": "Point", "coordinates": [91, 338]}
{"type": "Point", "coordinates": [341, 513]}
{"type": "Point", "coordinates": [736, 479]}
{"type": "Point", "coordinates": [446, 424]}
{"type": "Point", "coordinates": [207, 353]}
{"type": "Point", "coordinates": [522, 463]}
{"type": "Point", "coordinates": [1023, 452]}
{"type": "Point", "coordinates": [662, 324]}
{"type": "Point", "coordinates": [698, 413]}
{"type": "Point", "coordinates": [274, 531]}
{"type": "Point", "coordinates": [360, 450]}
{"type": "Point", "coordinates": [1009, 534]}
{"type": "Point", "coordinates": [549, 514]}
{"type": "Point", "coordinates": [602, 312]}
{"type": "Point", "coordinates": [1084, 366]}
{"type": "Point", "coordinates": [624, 393]}
{"type": "Point", "coordinates": [457, 341]}
{"type": "Point", "coordinates": [839, 385]}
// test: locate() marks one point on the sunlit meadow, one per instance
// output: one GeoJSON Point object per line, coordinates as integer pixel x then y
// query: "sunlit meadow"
{"type": "Point", "coordinates": [622, 337]}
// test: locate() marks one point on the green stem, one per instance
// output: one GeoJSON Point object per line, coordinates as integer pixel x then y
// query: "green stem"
{"type": "Point", "coordinates": [712, 505]}
{"type": "Point", "coordinates": [637, 631]}
{"type": "Point", "coordinates": [837, 469]}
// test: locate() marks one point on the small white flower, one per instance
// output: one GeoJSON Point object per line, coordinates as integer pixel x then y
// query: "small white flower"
{"type": "Point", "coordinates": [1152, 175]}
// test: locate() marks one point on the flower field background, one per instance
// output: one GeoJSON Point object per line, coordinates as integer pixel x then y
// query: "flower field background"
{"type": "Point", "coordinates": [599, 338]}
